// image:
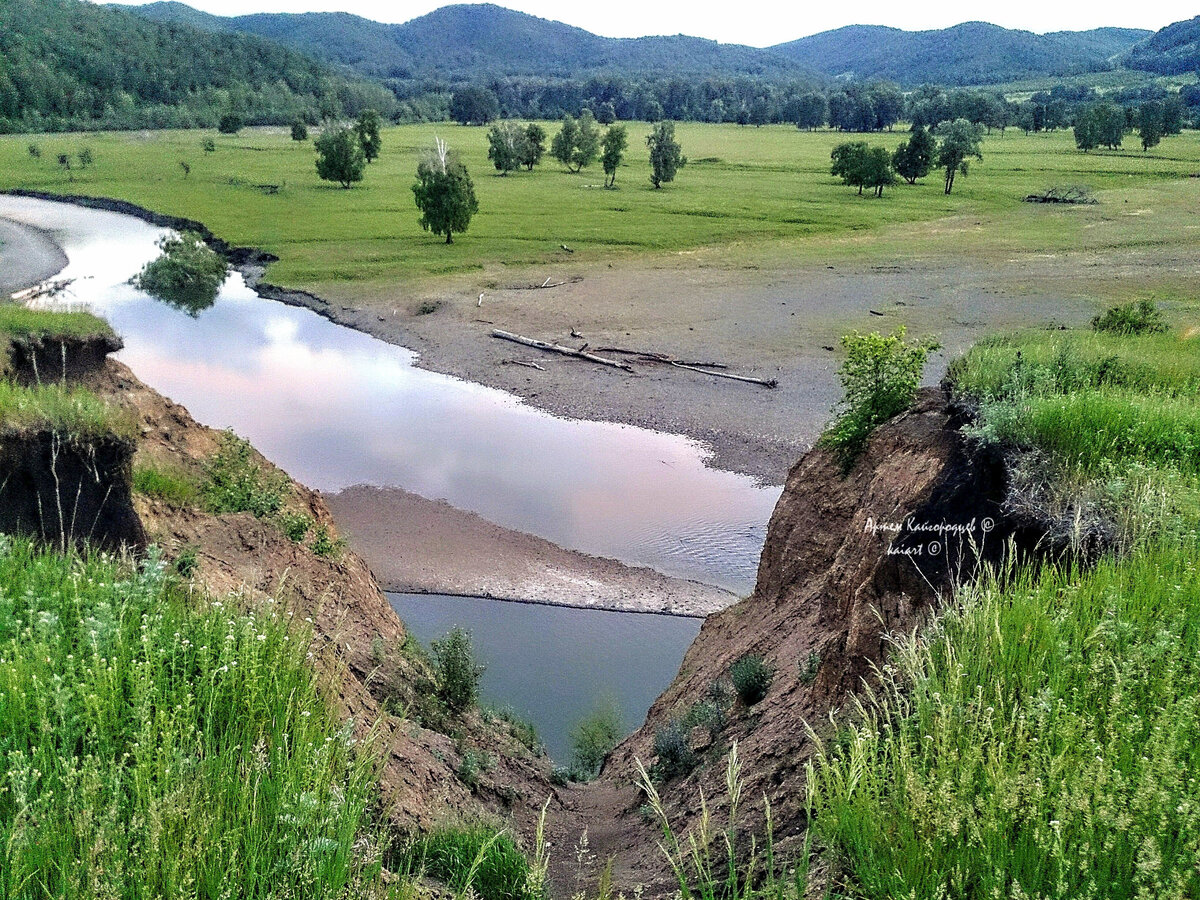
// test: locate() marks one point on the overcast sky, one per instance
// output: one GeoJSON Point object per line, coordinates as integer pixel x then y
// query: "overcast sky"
{"type": "Point", "coordinates": [760, 22]}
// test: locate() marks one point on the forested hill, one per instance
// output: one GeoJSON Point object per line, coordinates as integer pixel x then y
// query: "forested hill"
{"type": "Point", "coordinates": [471, 41]}
{"type": "Point", "coordinates": [970, 53]}
{"type": "Point", "coordinates": [1172, 51]}
{"type": "Point", "coordinates": [69, 64]}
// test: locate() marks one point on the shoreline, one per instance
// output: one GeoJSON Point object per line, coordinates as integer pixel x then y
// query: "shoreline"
{"type": "Point", "coordinates": [37, 257]}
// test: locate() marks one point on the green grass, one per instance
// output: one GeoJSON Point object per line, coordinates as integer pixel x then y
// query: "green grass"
{"type": "Point", "coordinates": [19, 321]}
{"type": "Point", "coordinates": [172, 486]}
{"type": "Point", "coordinates": [74, 411]}
{"type": "Point", "coordinates": [746, 191]}
{"type": "Point", "coordinates": [474, 860]}
{"type": "Point", "coordinates": [158, 746]}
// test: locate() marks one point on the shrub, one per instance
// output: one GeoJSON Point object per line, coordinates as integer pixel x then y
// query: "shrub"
{"type": "Point", "coordinates": [295, 525]}
{"type": "Point", "coordinates": [299, 131]}
{"type": "Point", "coordinates": [810, 667]}
{"type": "Point", "coordinates": [230, 123]}
{"type": "Point", "coordinates": [751, 676]}
{"type": "Point", "coordinates": [521, 728]}
{"type": "Point", "coordinates": [324, 544]}
{"type": "Point", "coordinates": [235, 482]}
{"type": "Point", "coordinates": [471, 765]}
{"type": "Point", "coordinates": [593, 738]}
{"type": "Point", "coordinates": [1142, 317]}
{"type": "Point", "coordinates": [208, 145]}
{"type": "Point", "coordinates": [458, 672]}
{"type": "Point", "coordinates": [187, 274]}
{"type": "Point", "coordinates": [880, 376]}
{"type": "Point", "coordinates": [474, 860]}
{"type": "Point", "coordinates": [170, 486]}
{"type": "Point", "coordinates": [674, 752]}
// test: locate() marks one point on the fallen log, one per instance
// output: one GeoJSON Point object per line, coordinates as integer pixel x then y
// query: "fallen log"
{"type": "Point", "coordinates": [765, 382]}
{"type": "Point", "coordinates": [702, 367]}
{"type": "Point", "coordinates": [558, 348]}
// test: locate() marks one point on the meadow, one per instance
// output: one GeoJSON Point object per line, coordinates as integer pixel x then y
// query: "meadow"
{"type": "Point", "coordinates": [745, 194]}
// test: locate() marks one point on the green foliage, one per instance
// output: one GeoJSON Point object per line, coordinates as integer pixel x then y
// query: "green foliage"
{"type": "Point", "coordinates": [236, 482]}
{"type": "Point", "coordinates": [613, 152]}
{"type": "Point", "coordinates": [847, 163]}
{"type": "Point", "coordinates": [67, 409]}
{"type": "Point", "coordinates": [535, 145]}
{"type": "Point", "coordinates": [810, 667]}
{"type": "Point", "coordinates": [880, 377]}
{"type": "Point", "coordinates": [324, 544]}
{"type": "Point", "coordinates": [474, 106]}
{"type": "Point", "coordinates": [184, 745]}
{"type": "Point", "coordinates": [340, 156]}
{"type": "Point", "coordinates": [230, 123]}
{"type": "Point", "coordinates": [508, 147]}
{"type": "Point", "coordinates": [35, 151]}
{"type": "Point", "coordinates": [960, 142]}
{"type": "Point", "coordinates": [1139, 317]}
{"type": "Point", "coordinates": [593, 738]}
{"type": "Point", "coordinates": [171, 486]}
{"type": "Point", "coordinates": [444, 194]}
{"type": "Point", "coordinates": [295, 525]}
{"type": "Point", "coordinates": [666, 155]}
{"type": "Point", "coordinates": [208, 145]}
{"type": "Point", "coordinates": [458, 672]}
{"type": "Point", "coordinates": [577, 143]}
{"type": "Point", "coordinates": [299, 130]}
{"type": "Point", "coordinates": [472, 764]}
{"type": "Point", "coordinates": [520, 727]}
{"type": "Point", "coordinates": [86, 160]}
{"type": "Point", "coordinates": [367, 128]}
{"type": "Point", "coordinates": [20, 321]}
{"type": "Point", "coordinates": [1150, 124]}
{"type": "Point", "coordinates": [672, 749]}
{"type": "Point", "coordinates": [1100, 125]}
{"type": "Point", "coordinates": [187, 274]}
{"type": "Point", "coordinates": [914, 158]}
{"type": "Point", "coordinates": [474, 860]}
{"type": "Point", "coordinates": [751, 676]}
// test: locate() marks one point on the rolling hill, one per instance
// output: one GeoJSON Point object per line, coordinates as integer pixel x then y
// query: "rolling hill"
{"type": "Point", "coordinates": [1171, 51]}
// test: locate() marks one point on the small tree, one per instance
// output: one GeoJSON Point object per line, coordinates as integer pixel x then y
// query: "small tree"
{"type": "Point", "coordinates": [877, 170]}
{"type": "Point", "coordinates": [85, 158]}
{"type": "Point", "coordinates": [64, 163]}
{"type": "Point", "coordinates": [1150, 124]}
{"type": "Point", "coordinates": [593, 738]}
{"type": "Point", "coordinates": [507, 147]}
{"type": "Point", "coordinates": [444, 193]}
{"type": "Point", "coordinates": [299, 130]}
{"type": "Point", "coordinates": [229, 123]}
{"type": "Point", "coordinates": [666, 156]}
{"type": "Point", "coordinates": [914, 158]}
{"type": "Point", "coordinates": [340, 156]}
{"type": "Point", "coordinates": [606, 113]}
{"type": "Point", "coordinates": [535, 145]}
{"type": "Point", "coordinates": [577, 143]}
{"type": "Point", "coordinates": [960, 142]}
{"type": "Point", "coordinates": [847, 163]}
{"type": "Point", "coordinates": [615, 142]}
{"type": "Point", "coordinates": [1086, 137]}
{"type": "Point", "coordinates": [458, 672]}
{"type": "Point", "coordinates": [563, 144]}
{"type": "Point", "coordinates": [367, 128]}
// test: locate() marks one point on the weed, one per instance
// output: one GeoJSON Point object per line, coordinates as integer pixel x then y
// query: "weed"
{"type": "Point", "coordinates": [475, 860]}
{"type": "Point", "coordinates": [1141, 317]}
{"type": "Point", "coordinates": [186, 562]}
{"type": "Point", "coordinates": [236, 482]}
{"type": "Point", "coordinates": [675, 757]}
{"type": "Point", "coordinates": [172, 486]}
{"type": "Point", "coordinates": [429, 307]}
{"type": "Point", "coordinates": [751, 677]}
{"type": "Point", "coordinates": [324, 544]}
{"type": "Point", "coordinates": [294, 525]}
{"type": "Point", "coordinates": [810, 666]}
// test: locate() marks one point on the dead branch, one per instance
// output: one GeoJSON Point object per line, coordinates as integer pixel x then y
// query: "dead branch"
{"type": "Point", "coordinates": [558, 348]}
{"type": "Point", "coordinates": [45, 289]}
{"type": "Point", "coordinates": [765, 382]}
{"type": "Point", "coordinates": [522, 362]}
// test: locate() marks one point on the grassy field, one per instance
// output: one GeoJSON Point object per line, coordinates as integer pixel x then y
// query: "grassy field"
{"type": "Point", "coordinates": [745, 193]}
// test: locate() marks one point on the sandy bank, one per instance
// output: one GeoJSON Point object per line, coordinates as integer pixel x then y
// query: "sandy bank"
{"type": "Point", "coordinates": [424, 546]}
{"type": "Point", "coordinates": [27, 256]}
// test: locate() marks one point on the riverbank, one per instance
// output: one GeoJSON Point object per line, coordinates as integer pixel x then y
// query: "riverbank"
{"type": "Point", "coordinates": [27, 256]}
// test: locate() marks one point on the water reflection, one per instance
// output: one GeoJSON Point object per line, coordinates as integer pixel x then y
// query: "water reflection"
{"type": "Point", "coordinates": [336, 407]}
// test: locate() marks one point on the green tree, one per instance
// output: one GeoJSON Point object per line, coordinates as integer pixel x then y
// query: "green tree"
{"type": "Point", "coordinates": [507, 146]}
{"type": "Point", "coordinates": [444, 194]}
{"type": "Point", "coordinates": [960, 142]}
{"type": "Point", "coordinates": [535, 145]}
{"type": "Point", "coordinates": [877, 170]}
{"type": "Point", "coordinates": [1086, 136]}
{"type": "Point", "coordinates": [593, 738]}
{"type": "Point", "coordinates": [666, 156]}
{"type": "Point", "coordinates": [914, 158]}
{"type": "Point", "coordinates": [474, 106]}
{"type": "Point", "coordinates": [299, 130]}
{"type": "Point", "coordinates": [1150, 124]}
{"type": "Point", "coordinates": [563, 144]}
{"type": "Point", "coordinates": [458, 672]}
{"type": "Point", "coordinates": [367, 128]}
{"type": "Point", "coordinates": [606, 113]}
{"type": "Point", "coordinates": [577, 143]}
{"type": "Point", "coordinates": [340, 156]}
{"type": "Point", "coordinates": [847, 163]}
{"type": "Point", "coordinates": [229, 123]}
{"type": "Point", "coordinates": [615, 142]}
{"type": "Point", "coordinates": [1109, 124]}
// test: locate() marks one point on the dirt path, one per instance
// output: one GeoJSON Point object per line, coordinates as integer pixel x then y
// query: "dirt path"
{"type": "Point", "coordinates": [27, 256]}
{"type": "Point", "coordinates": [427, 546]}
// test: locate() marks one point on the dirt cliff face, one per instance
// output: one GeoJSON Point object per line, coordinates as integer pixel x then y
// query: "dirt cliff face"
{"type": "Point", "coordinates": [44, 359]}
{"type": "Point", "coordinates": [849, 559]}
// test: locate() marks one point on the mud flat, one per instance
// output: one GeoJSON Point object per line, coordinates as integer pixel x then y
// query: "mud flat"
{"type": "Point", "coordinates": [27, 255]}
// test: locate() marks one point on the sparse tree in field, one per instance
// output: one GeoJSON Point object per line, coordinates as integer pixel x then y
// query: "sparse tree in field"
{"type": "Point", "coordinates": [1150, 124]}
{"type": "Point", "coordinates": [229, 123]}
{"type": "Point", "coordinates": [606, 113]}
{"type": "Point", "coordinates": [847, 163]}
{"type": "Point", "coordinates": [64, 163]}
{"type": "Point", "coordinates": [367, 128]}
{"type": "Point", "coordinates": [340, 156]}
{"type": "Point", "coordinates": [877, 170]}
{"type": "Point", "coordinates": [535, 145]}
{"type": "Point", "coordinates": [666, 156]}
{"type": "Point", "coordinates": [960, 142]}
{"type": "Point", "coordinates": [35, 152]}
{"type": "Point", "coordinates": [652, 111]}
{"type": "Point", "coordinates": [1107, 124]}
{"type": "Point", "coordinates": [1086, 137]}
{"type": "Point", "coordinates": [208, 145]}
{"type": "Point", "coordinates": [299, 130]}
{"type": "Point", "coordinates": [760, 112]}
{"type": "Point", "coordinates": [577, 143]}
{"type": "Point", "coordinates": [1172, 114]}
{"type": "Point", "coordinates": [507, 146]}
{"type": "Point", "coordinates": [444, 193]}
{"type": "Point", "coordinates": [474, 106]}
{"type": "Point", "coordinates": [615, 142]}
{"type": "Point", "coordinates": [85, 158]}
{"type": "Point", "coordinates": [914, 158]}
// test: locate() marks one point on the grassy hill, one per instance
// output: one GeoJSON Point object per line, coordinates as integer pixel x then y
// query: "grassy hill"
{"type": "Point", "coordinates": [68, 64]}
{"type": "Point", "coordinates": [970, 53]}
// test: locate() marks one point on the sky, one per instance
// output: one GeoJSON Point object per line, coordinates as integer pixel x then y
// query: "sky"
{"type": "Point", "coordinates": [759, 23]}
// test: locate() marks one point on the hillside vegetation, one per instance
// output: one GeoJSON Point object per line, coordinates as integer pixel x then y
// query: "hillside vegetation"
{"type": "Point", "coordinates": [1172, 51]}
{"type": "Point", "coordinates": [70, 64]}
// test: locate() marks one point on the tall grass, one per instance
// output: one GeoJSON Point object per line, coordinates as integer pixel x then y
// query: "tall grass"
{"type": "Point", "coordinates": [157, 746]}
{"type": "Point", "coordinates": [1040, 741]}
{"type": "Point", "coordinates": [72, 410]}
{"type": "Point", "coordinates": [17, 320]}
{"type": "Point", "coordinates": [476, 860]}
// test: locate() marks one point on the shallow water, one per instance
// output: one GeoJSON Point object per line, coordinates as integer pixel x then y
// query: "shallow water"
{"type": "Point", "coordinates": [336, 407]}
{"type": "Point", "coordinates": [554, 664]}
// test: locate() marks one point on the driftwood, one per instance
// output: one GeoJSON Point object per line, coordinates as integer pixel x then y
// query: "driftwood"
{"type": "Point", "coordinates": [581, 353]}
{"type": "Point", "coordinates": [705, 368]}
{"type": "Point", "coordinates": [45, 289]}
{"type": "Point", "coordinates": [523, 362]}
{"type": "Point", "coordinates": [1074, 194]}
{"type": "Point", "coordinates": [765, 382]}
